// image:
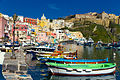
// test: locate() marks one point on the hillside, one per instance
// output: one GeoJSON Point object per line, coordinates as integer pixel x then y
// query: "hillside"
{"type": "Point", "coordinates": [97, 32]}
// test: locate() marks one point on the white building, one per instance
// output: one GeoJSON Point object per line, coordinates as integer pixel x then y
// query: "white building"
{"type": "Point", "coordinates": [20, 18]}
{"type": "Point", "coordinates": [60, 35]}
{"type": "Point", "coordinates": [6, 17]}
{"type": "Point", "coordinates": [57, 24]}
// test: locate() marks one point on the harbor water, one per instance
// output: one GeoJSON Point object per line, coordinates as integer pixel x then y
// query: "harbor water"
{"type": "Point", "coordinates": [41, 72]}
{"type": "Point", "coordinates": [1, 75]}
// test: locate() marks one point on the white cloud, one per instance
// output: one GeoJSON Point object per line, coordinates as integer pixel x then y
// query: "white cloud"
{"type": "Point", "coordinates": [53, 6]}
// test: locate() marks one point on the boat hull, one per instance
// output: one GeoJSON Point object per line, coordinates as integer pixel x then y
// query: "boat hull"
{"type": "Point", "coordinates": [43, 49]}
{"type": "Point", "coordinates": [65, 72]}
{"type": "Point", "coordinates": [79, 61]}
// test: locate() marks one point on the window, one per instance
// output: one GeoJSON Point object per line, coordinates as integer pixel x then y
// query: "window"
{"type": "Point", "coordinates": [16, 27]}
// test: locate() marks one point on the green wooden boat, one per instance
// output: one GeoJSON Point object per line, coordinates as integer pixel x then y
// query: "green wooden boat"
{"type": "Point", "coordinates": [82, 69]}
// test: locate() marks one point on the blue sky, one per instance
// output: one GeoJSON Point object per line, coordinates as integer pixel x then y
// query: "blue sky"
{"type": "Point", "coordinates": [57, 8]}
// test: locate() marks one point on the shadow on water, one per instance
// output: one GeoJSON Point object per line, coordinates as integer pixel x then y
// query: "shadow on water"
{"type": "Point", "coordinates": [39, 72]}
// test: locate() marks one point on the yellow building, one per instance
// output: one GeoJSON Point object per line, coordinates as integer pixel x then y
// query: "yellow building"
{"type": "Point", "coordinates": [44, 23]}
{"type": "Point", "coordinates": [77, 34]}
{"type": "Point", "coordinates": [1, 15]}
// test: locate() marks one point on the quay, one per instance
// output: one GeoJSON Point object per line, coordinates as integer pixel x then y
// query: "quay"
{"type": "Point", "coordinates": [15, 69]}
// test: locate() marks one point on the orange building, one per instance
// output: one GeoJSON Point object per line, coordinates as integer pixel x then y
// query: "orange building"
{"type": "Point", "coordinates": [30, 21]}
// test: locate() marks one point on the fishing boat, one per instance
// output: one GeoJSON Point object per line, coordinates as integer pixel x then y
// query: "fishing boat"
{"type": "Point", "coordinates": [7, 48]}
{"type": "Point", "coordinates": [79, 61]}
{"type": "Point", "coordinates": [43, 48]}
{"type": "Point", "coordinates": [82, 41]}
{"type": "Point", "coordinates": [46, 47]}
{"type": "Point", "coordinates": [108, 46]}
{"type": "Point", "coordinates": [90, 41]}
{"type": "Point", "coordinates": [82, 69]}
{"type": "Point", "coordinates": [51, 54]}
{"type": "Point", "coordinates": [46, 54]}
{"type": "Point", "coordinates": [8, 44]}
{"type": "Point", "coordinates": [57, 54]}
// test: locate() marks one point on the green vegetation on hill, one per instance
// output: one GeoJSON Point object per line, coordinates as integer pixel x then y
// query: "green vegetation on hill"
{"type": "Point", "coordinates": [115, 30]}
{"type": "Point", "coordinates": [97, 32]}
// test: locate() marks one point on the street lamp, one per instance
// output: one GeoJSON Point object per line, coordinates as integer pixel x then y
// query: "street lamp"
{"type": "Point", "coordinates": [14, 20]}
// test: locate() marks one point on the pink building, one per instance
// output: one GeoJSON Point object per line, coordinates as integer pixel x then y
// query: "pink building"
{"type": "Point", "coordinates": [20, 28]}
{"type": "Point", "coordinates": [45, 36]}
{"type": "Point", "coordinates": [3, 25]}
{"type": "Point", "coordinates": [20, 31]}
{"type": "Point", "coordinates": [53, 35]}
{"type": "Point", "coordinates": [42, 36]}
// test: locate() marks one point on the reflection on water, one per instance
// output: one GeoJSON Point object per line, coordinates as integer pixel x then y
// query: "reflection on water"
{"type": "Point", "coordinates": [83, 53]}
{"type": "Point", "coordinates": [39, 72]}
{"type": "Point", "coordinates": [106, 77]}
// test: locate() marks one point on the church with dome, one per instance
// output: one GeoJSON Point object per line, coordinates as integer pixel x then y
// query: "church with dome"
{"type": "Point", "coordinates": [43, 23]}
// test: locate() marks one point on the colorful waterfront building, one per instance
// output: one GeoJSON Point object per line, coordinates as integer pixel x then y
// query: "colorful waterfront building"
{"type": "Point", "coordinates": [51, 36]}
{"type": "Point", "coordinates": [30, 20]}
{"type": "Point", "coordinates": [42, 36]}
{"type": "Point", "coordinates": [3, 27]}
{"type": "Point", "coordinates": [60, 35]}
{"type": "Point", "coordinates": [20, 32]}
{"type": "Point", "coordinates": [43, 23]}
{"type": "Point", "coordinates": [76, 35]}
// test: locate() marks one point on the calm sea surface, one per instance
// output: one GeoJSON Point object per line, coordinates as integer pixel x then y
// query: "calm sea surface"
{"type": "Point", "coordinates": [1, 75]}
{"type": "Point", "coordinates": [40, 71]}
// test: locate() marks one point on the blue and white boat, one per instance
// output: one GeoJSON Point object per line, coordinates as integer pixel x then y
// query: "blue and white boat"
{"type": "Point", "coordinates": [78, 61]}
{"type": "Point", "coordinates": [46, 47]}
{"type": "Point", "coordinates": [81, 41]}
{"type": "Point", "coordinates": [89, 42]}
{"type": "Point", "coordinates": [9, 45]}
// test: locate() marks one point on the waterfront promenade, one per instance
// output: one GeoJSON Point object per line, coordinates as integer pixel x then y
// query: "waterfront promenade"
{"type": "Point", "coordinates": [15, 69]}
